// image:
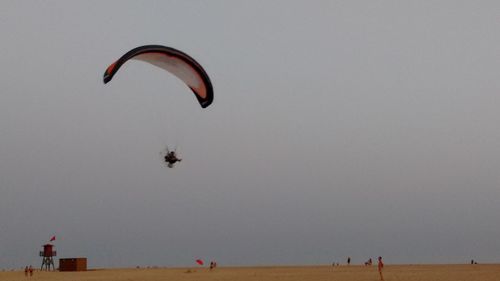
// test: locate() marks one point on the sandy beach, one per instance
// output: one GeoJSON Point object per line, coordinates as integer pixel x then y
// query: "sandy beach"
{"type": "Point", "coordinates": [489, 272]}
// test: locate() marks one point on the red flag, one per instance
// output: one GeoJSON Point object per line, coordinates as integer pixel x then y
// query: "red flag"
{"type": "Point", "coordinates": [53, 238]}
{"type": "Point", "coordinates": [200, 262]}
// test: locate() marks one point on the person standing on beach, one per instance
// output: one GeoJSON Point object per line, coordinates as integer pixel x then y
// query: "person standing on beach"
{"type": "Point", "coordinates": [380, 267]}
{"type": "Point", "coordinates": [348, 260]}
{"type": "Point", "coordinates": [26, 271]}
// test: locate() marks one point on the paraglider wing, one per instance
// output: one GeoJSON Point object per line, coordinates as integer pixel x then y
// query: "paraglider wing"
{"type": "Point", "coordinates": [174, 61]}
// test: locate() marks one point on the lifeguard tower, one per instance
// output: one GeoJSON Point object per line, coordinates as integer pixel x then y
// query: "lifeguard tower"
{"type": "Point", "coordinates": [47, 257]}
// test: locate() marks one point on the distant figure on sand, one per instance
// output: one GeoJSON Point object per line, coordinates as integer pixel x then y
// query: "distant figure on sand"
{"type": "Point", "coordinates": [380, 267]}
{"type": "Point", "coordinates": [348, 260]}
{"type": "Point", "coordinates": [26, 271]}
{"type": "Point", "coordinates": [213, 265]}
{"type": "Point", "coordinates": [31, 270]}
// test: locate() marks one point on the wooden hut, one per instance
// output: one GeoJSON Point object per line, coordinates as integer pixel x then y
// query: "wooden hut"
{"type": "Point", "coordinates": [73, 264]}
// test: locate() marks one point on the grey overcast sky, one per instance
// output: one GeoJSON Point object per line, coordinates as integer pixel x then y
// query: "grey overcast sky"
{"type": "Point", "coordinates": [339, 128]}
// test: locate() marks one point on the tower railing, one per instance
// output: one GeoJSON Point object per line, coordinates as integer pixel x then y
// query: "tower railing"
{"type": "Point", "coordinates": [53, 254]}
